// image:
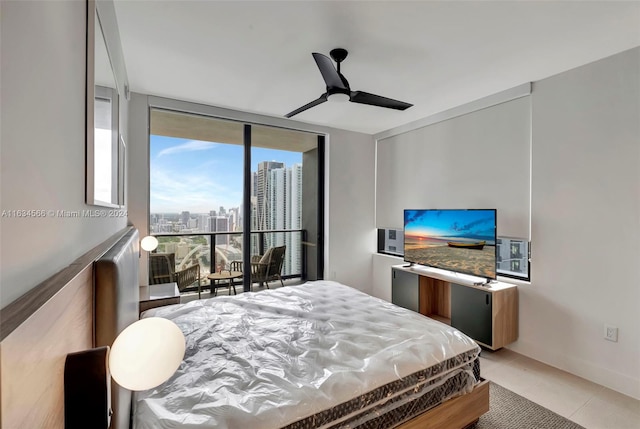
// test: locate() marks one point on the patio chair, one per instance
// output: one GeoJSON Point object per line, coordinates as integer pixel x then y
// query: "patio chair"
{"type": "Point", "coordinates": [268, 267]}
{"type": "Point", "coordinates": [162, 270]}
{"type": "Point", "coordinates": [264, 268]}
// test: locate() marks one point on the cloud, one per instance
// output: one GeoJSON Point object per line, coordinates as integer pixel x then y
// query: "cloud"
{"type": "Point", "coordinates": [190, 146]}
{"type": "Point", "coordinates": [471, 225]}
{"type": "Point", "coordinates": [415, 216]}
{"type": "Point", "coordinates": [172, 191]}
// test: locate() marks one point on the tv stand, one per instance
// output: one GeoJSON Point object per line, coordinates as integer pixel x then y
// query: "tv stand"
{"type": "Point", "coordinates": [488, 313]}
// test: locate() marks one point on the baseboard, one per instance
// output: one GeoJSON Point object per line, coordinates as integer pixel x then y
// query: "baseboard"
{"type": "Point", "coordinates": [614, 380]}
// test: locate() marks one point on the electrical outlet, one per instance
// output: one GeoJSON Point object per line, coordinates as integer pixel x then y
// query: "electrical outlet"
{"type": "Point", "coordinates": [610, 333]}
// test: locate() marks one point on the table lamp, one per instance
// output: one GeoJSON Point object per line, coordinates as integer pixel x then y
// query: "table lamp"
{"type": "Point", "coordinates": [145, 354]}
{"type": "Point", "coordinates": [149, 243]}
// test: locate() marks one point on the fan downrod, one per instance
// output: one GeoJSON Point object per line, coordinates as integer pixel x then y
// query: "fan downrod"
{"type": "Point", "coordinates": [338, 54]}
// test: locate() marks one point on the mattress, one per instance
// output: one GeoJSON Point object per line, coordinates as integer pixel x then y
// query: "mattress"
{"type": "Point", "coordinates": [318, 355]}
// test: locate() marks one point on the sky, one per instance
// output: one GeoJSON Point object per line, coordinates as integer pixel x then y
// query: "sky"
{"type": "Point", "coordinates": [450, 223]}
{"type": "Point", "coordinates": [200, 176]}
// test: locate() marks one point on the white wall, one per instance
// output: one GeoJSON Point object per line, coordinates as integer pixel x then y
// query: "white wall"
{"type": "Point", "coordinates": [42, 141]}
{"type": "Point", "coordinates": [349, 204]}
{"type": "Point", "coordinates": [585, 214]}
{"type": "Point", "coordinates": [586, 223]}
{"type": "Point", "coordinates": [138, 169]}
{"type": "Point", "coordinates": [351, 207]}
{"type": "Point", "coordinates": [456, 164]}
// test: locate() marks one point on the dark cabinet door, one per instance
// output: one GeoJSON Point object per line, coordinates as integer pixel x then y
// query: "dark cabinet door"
{"type": "Point", "coordinates": [471, 312]}
{"type": "Point", "coordinates": [405, 289]}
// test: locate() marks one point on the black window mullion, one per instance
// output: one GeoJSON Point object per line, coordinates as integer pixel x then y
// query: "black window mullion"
{"type": "Point", "coordinates": [320, 226]}
{"type": "Point", "coordinates": [246, 211]}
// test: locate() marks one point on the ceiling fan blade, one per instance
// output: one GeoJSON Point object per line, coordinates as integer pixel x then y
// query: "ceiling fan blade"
{"type": "Point", "coordinates": [377, 100]}
{"type": "Point", "coordinates": [329, 73]}
{"type": "Point", "coordinates": [314, 103]}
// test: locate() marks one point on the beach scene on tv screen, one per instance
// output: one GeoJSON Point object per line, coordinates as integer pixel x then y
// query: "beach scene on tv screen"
{"type": "Point", "coordinates": [456, 240]}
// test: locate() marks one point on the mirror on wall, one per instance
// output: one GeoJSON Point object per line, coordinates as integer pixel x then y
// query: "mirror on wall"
{"type": "Point", "coordinates": [106, 84]}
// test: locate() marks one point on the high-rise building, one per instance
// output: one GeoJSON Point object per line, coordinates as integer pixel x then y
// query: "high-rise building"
{"type": "Point", "coordinates": [254, 184]}
{"type": "Point", "coordinates": [211, 224]}
{"type": "Point", "coordinates": [184, 217]}
{"type": "Point", "coordinates": [234, 219]}
{"type": "Point", "coordinates": [277, 203]}
{"type": "Point", "coordinates": [203, 223]}
{"type": "Point", "coordinates": [163, 228]}
{"type": "Point", "coordinates": [262, 192]}
{"type": "Point", "coordinates": [219, 224]}
{"type": "Point", "coordinates": [278, 198]}
{"type": "Point", "coordinates": [513, 255]}
{"type": "Point", "coordinates": [295, 239]}
{"type": "Point", "coordinates": [255, 250]}
{"type": "Point", "coordinates": [285, 212]}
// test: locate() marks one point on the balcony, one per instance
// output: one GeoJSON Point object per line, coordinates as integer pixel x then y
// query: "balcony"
{"type": "Point", "coordinates": [192, 248]}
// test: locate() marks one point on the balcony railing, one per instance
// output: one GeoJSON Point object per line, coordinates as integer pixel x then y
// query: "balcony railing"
{"type": "Point", "coordinates": [219, 249]}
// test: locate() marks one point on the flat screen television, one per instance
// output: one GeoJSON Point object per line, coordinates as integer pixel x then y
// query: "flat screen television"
{"type": "Point", "coordinates": [463, 241]}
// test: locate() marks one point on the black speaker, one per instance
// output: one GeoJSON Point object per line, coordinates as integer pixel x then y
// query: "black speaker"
{"type": "Point", "coordinates": [87, 390]}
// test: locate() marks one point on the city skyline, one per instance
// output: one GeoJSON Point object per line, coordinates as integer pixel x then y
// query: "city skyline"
{"type": "Point", "coordinates": [276, 203]}
{"type": "Point", "coordinates": [198, 176]}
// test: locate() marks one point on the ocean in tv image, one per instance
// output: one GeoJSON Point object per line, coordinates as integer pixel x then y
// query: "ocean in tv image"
{"type": "Point", "coordinates": [456, 240]}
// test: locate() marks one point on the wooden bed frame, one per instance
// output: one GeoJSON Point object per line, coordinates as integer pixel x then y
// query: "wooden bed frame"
{"type": "Point", "coordinates": [86, 305]}
{"type": "Point", "coordinates": [459, 412]}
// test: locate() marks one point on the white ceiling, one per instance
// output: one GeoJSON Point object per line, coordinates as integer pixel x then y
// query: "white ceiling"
{"type": "Point", "coordinates": [256, 56]}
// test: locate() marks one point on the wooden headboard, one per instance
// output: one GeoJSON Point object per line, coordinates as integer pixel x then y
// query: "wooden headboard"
{"type": "Point", "coordinates": [55, 318]}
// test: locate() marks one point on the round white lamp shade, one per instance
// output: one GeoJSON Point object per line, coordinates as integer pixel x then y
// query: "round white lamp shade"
{"type": "Point", "coordinates": [149, 243]}
{"type": "Point", "coordinates": [146, 353]}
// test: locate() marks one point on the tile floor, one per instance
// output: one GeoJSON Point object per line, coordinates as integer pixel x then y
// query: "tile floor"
{"type": "Point", "coordinates": [586, 403]}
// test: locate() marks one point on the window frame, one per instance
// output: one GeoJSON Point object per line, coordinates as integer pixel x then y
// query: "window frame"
{"type": "Point", "coordinates": [186, 108]}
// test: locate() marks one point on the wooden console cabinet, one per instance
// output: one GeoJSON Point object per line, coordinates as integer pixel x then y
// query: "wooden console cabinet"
{"type": "Point", "coordinates": [488, 314]}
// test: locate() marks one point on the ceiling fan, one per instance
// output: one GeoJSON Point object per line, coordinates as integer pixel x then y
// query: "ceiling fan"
{"type": "Point", "coordinates": [338, 87]}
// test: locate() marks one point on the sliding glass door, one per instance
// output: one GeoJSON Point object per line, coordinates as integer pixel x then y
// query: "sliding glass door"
{"type": "Point", "coordinates": [218, 185]}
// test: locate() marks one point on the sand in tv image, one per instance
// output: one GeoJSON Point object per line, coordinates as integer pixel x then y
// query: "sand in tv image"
{"type": "Point", "coordinates": [456, 240]}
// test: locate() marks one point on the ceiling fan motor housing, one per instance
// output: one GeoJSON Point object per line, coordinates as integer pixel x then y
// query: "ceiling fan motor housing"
{"type": "Point", "coordinates": [338, 54]}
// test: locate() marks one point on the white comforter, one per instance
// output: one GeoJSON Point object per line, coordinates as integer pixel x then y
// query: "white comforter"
{"type": "Point", "coordinates": [267, 359]}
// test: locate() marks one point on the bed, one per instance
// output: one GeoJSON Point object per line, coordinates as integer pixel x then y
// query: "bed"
{"type": "Point", "coordinates": [89, 302]}
{"type": "Point", "coordinates": [318, 355]}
